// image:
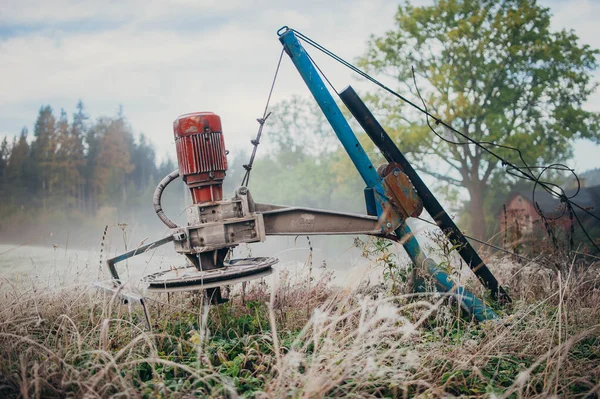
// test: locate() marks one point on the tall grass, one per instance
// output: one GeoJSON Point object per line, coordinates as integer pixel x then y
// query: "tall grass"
{"type": "Point", "coordinates": [297, 338]}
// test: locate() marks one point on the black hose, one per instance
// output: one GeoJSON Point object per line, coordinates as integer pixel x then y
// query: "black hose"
{"type": "Point", "coordinates": [157, 197]}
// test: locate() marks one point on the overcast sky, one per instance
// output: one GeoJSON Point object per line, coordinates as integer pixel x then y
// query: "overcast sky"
{"type": "Point", "coordinates": [161, 59]}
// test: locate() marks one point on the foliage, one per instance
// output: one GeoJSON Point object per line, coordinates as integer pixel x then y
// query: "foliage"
{"type": "Point", "coordinates": [75, 343]}
{"type": "Point", "coordinates": [495, 71]}
{"type": "Point", "coordinates": [77, 167]}
{"type": "Point", "coordinates": [380, 252]}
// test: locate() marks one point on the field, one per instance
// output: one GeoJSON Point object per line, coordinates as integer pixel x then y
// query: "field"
{"type": "Point", "coordinates": [299, 336]}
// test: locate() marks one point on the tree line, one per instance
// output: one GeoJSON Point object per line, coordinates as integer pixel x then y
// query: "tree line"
{"type": "Point", "coordinates": [77, 164]}
{"type": "Point", "coordinates": [494, 70]}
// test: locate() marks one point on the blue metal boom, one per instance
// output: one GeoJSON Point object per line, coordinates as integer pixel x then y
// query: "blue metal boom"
{"type": "Point", "coordinates": [368, 173]}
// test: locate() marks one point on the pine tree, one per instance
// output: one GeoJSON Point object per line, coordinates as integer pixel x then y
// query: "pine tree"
{"type": "Point", "coordinates": [92, 144]}
{"type": "Point", "coordinates": [111, 160]}
{"type": "Point", "coordinates": [69, 160]}
{"type": "Point", "coordinates": [78, 130]}
{"type": "Point", "coordinates": [61, 177]}
{"type": "Point", "coordinates": [4, 155]}
{"type": "Point", "coordinates": [19, 175]}
{"type": "Point", "coordinates": [143, 158]}
{"type": "Point", "coordinates": [43, 151]}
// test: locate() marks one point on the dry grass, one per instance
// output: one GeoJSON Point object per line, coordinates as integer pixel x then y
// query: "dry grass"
{"type": "Point", "coordinates": [305, 339]}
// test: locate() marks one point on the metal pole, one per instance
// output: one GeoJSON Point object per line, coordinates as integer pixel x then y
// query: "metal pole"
{"type": "Point", "coordinates": [332, 112]}
{"type": "Point", "coordinates": [391, 152]}
{"type": "Point", "coordinates": [364, 166]}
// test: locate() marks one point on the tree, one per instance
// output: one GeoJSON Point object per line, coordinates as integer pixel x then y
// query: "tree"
{"type": "Point", "coordinates": [303, 160]}
{"type": "Point", "coordinates": [113, 161]}
{"type": "Point", "coordinates": [78, 131]}
{"type": "Point", "coordinates": [297, 126]}
{"type": "Point", "coordinates": [19, 175]}
{"type": "Point", "coordinates": [143, 158]}
{"type": "Point", "coordinates": [43, 151]}
{"type": "Point", "coordinates": [493, 70]}
{"type": "Point", "coordinates": [4, 154]}
{"type": "Point", "coordinates": [66, 175]}
{"type": "Point", "coordinates": [93, 138]}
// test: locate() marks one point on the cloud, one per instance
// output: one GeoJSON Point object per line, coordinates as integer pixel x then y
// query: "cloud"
{"type": "Point", "coordinates": [161, 59]}
{"type": "Point", "coordinates": [64, 12]}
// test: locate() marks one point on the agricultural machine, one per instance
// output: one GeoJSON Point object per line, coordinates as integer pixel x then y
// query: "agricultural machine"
{"type": "Point", "coordinates": [394, 192]}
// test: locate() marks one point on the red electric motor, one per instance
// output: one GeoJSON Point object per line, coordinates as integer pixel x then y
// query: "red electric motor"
{"type": "Point", "coordinates": [201, 155]}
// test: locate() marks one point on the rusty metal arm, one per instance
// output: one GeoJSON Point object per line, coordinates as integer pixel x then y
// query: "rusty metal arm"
{"type": "Point", "coordinates": [281, 220]}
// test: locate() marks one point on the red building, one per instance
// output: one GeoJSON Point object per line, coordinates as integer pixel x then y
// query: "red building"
{"type": "Point", "coordinates": [520, 221]}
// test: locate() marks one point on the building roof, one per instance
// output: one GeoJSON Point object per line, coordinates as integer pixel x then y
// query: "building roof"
{"type": "Point", "coordinates": [587, 197]}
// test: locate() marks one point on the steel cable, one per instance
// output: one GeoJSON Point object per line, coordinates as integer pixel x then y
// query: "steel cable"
{"type": "Point", "coordinates": [261, 121]}
{"type": "Point", "coordinates": [511, 168]}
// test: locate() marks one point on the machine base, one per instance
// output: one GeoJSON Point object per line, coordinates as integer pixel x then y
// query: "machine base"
{"type": "Point", "coordinates": [189, 278]}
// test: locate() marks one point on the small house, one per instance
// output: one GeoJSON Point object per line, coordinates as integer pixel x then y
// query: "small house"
{"type": "Point", "coordinates": [521, 216]}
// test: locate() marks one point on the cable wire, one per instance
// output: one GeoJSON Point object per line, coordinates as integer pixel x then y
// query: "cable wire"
{"type": "Point", "coordinates": [481, 241]}
{"type": "Point", "coordinates": [511, 168]}
{"type": "Point", "coordinates": [548, 186]}
{"type": "Point", "coordinates": [426, 112]}
{"type": "Point", "coordinates": [261, 121]}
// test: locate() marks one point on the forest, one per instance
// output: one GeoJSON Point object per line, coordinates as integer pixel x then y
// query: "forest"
{"type": "Point", "coordinates": [66, 170]}
{"type": "Point", "coordinates": [78, 174]}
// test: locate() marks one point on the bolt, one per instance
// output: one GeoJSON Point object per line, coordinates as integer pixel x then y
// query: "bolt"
{"type": "Point", "coordinates": [243, 190]}
{"type": "Point", "coordinates": [388, 225]}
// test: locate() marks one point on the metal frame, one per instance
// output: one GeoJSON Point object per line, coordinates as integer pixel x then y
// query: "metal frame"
{"type": "Point", "coordinates": [390, 199]}
{"type": "Point", "coordinates": [393, 154]}
{"type": "Point", "coordinates": [127, 297]}
{"type": "Point", "coordinates": [363, 164]}
{"type": "Point", "coordinates": [140, 250]}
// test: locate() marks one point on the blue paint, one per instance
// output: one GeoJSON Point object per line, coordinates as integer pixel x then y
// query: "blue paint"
{"type": "Point", "coordinates": [329, 107]}
{"type": "Point", "coordinates": [368, 173]}
{"type": "Point", "coordinates": [443, 282]}
{"type": "Point", "coordinates": [370, 201]}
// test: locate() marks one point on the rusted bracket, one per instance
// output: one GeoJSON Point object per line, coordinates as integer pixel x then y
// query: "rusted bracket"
{"type": "Point", "coordinates": [400, 190]}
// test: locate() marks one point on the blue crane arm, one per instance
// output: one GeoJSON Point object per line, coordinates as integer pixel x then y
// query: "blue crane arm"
{"type": "Point", "coordinates": [367, 171]}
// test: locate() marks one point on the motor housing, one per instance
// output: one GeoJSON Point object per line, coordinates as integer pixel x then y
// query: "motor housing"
{"type": "Point", "coordinates": [201, 155]}
{"type": "Point", "coordinates": [214, 225]}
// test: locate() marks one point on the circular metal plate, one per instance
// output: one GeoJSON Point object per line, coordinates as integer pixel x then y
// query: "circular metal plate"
{"type": "Point", "coordinates": [188, 278]}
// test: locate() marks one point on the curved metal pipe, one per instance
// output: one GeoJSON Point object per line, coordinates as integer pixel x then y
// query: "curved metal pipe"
{"type": "Point", "coordinates": [158, 195]}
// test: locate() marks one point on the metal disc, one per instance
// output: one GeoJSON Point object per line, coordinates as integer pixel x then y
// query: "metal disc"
{"type": "Point", "coordinates": [189, 278]}
{"type": "Point", "coordinates": [204, 286]}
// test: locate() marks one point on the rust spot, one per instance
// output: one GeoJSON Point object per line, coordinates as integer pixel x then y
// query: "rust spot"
{"type": "Point", "coordinates": [401, 191]}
